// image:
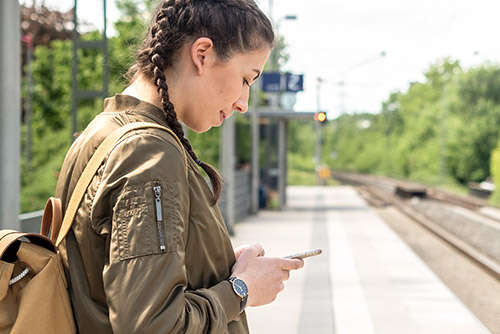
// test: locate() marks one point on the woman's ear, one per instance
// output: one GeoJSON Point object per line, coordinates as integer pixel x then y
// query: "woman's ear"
{"type": "Point", "coordinates": [202, 50]}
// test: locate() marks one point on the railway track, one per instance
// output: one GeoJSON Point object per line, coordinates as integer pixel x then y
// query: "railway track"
{"type": "Point", "coordinates": [457, 240]}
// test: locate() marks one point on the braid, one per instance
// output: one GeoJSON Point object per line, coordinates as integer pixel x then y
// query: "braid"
{"type": "Point", "coordinates": [168, 108]}
{"type": "Point", "coordinates": [177, 22]}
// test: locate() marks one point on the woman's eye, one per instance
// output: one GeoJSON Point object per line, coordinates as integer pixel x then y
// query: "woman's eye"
{"type": "Point", "coordinates": [245, 82]}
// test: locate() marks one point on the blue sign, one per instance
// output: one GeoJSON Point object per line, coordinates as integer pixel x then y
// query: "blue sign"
{"type": "Point", "coordinates": [273, 82]}
{"type": "Point", "coordinates": [294, 82]}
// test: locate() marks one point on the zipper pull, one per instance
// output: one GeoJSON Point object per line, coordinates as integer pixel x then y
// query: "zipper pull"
{"type": "Point", "coordinates": [159, 217]}
{"type": "Point", "coordinates": [157, 191]}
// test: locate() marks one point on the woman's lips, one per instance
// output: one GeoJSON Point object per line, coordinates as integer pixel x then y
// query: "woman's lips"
{"type": "Point", "coordinates": [222, 117]}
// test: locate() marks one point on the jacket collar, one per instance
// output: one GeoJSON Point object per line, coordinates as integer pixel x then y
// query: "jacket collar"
{"type": "Point", "coordinates": [122, 102]}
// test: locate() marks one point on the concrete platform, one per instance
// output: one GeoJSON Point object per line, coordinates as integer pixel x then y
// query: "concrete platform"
{"type": "Point", "coordinates": [366, 281]}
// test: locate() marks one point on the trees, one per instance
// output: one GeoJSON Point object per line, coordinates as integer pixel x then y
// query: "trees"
{"type": "Point", "coordinates": [442, 129]}
{"type": "Point", "coordinates": [51, 113]}
{"type": "Point", "coordinates": [477, 105]}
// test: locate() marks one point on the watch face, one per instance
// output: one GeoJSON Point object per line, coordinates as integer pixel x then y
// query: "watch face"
{"type": "Point", "coordinates": [240, 287]}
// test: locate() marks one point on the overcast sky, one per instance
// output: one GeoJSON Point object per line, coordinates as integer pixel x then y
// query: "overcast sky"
{"type": "Point", "coordinates": [342, 42]}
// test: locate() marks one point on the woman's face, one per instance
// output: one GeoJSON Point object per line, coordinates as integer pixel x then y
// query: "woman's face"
{"type": "Point", "coordinates": [221, 88]}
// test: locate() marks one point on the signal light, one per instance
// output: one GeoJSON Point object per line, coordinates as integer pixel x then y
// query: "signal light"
{"type": "Point", "coordinates": [320, 116]}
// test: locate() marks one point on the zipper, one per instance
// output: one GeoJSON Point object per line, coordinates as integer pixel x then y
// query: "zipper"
{"type": "Point", "coordinates": [159, 217]}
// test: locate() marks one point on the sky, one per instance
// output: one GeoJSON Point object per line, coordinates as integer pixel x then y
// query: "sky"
{"type": "Point", "coordinates": [363, 50]}
{"type": "Point", "coordinates": [342, 42]}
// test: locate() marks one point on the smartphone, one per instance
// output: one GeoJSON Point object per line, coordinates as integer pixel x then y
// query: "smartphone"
{"type": "Point", "coordinates": [303, 255]}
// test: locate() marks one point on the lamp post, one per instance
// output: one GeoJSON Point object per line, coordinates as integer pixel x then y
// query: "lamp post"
{"type": "Point", "coordinates": [317, 125]}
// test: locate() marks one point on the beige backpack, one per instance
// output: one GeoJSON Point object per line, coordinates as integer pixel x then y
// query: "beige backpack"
{"type": "Point", "coordinates": [34, 295]}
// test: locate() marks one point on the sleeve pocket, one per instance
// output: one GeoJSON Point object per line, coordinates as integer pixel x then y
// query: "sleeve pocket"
{"type": "Point", "coordinates": [142, 225]}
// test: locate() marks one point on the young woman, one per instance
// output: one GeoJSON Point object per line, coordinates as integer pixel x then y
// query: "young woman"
{"type": "Point", "coordinates": [149, 251]}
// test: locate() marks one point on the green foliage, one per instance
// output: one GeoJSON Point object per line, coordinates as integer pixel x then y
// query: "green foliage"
{"type": "Point", "coordinates": [206, 145]}
{"type": "Point", "coordinates": [39, 183]}
{"type": "Point", "coordinates": [478, 106]}
{"type": "Point", "coordinates": [243, 139]}
{"type": "Point", "coordinates": [50, 124]}
{"type": "Point", "coordinates": [355, 144]}
{"type": "Point", "coordinates": [51, 116]}
{"type": "Point", "coordinates": [301, 169]}
{"type": "Point", "coordinates": [495, 174]}
{"type": "Point", "coordinates": [51, 99]}
{"type": "Point", "coordinates": [441, 131]}
{"type": "Point", "coordinates": [301, 144]}
{"type": "Point", "coordinates": [131, 30]}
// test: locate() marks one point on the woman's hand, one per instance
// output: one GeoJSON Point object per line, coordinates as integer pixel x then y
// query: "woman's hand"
{"type": "Point", "coordinates": [263, 276]}
{"type": "Point", "coordinates": [238, 250]}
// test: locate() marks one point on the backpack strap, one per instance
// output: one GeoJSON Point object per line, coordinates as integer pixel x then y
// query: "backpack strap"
{"type": "Point", "coordinates": [52, 218]}
{"type": "Point", "coordinates": [8, 237]}
{"type": "Point", "coordinates": [93, 165]}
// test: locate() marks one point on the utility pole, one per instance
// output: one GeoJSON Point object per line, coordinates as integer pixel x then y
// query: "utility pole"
{"type": "Point", "coordinates": [102, 45]}
{"type": "Point", "coordinates": [227, 159]}
{"type": "Point", "coordinates": [254, 119]}
{"type": "Point", "coordinates": [317, 125]}
{"type": "Point", "coordinates": [10, 114]}
{"type": "Point", "coordinates": [28, 39]}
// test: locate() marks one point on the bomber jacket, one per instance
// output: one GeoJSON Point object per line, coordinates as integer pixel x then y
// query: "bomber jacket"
{"type": "Point", "coordinates": [148, 251]}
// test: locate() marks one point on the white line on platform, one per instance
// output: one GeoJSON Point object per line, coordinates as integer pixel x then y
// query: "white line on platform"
{"type": "Point", "coordinates": [351, 312]}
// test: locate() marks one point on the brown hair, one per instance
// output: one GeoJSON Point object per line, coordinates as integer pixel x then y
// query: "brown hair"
{"type": "Point", "coordinates": [234, 26]}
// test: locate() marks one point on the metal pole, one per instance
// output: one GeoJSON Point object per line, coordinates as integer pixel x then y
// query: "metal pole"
{"type": "Point", "coordinates": [10, 114]}
{"type": "Point", "coordinates": [227, 164]}
{"type": "Point", "coordinates": [317, 125]}
{"type": "Point", "coordinates": [105, 69]}
{"type": "Point", "coordinates": [74, 76]}
{"type": "Point", "coordinates": [282, 163]}
{"type": "Point", "coordinates": [285, 162]}
{"type": "Point", "coordinates": [29, 95]}
{"type": "Point", "coordinates": [254, 119]}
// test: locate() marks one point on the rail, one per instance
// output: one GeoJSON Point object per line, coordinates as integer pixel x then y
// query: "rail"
{"type": "Point", "coordinates": [380, 191]}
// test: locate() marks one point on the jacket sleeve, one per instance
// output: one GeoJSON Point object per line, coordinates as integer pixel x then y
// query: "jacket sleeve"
{"type": "Point", "coordinates": [145, 282]}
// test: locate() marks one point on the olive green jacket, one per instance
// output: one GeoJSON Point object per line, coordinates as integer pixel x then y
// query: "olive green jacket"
{"type": "Point", "coordinates": [148, 251]}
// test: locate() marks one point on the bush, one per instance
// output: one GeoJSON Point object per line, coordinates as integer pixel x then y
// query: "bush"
{"type": "Point", "coordinates": [495, 173]}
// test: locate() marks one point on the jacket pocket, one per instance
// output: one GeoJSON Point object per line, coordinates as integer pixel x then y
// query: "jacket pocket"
{"type": "Point", "coordinates": [140, 219]}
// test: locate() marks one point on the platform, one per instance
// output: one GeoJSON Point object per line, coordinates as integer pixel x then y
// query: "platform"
{"type": "Point", "coordinates": [366, 281]}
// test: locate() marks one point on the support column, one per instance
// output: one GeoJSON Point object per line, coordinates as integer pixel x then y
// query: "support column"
{"type": "Point", "coordinates": [227, 154]}
{"type": "Point", "coordinates": [10, 113]}
{"type": "Point", "coordinates": [282, 156]}
{"type": "Point", "coordinates": [254, 119]}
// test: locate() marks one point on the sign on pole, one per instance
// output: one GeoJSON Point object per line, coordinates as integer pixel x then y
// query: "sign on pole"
{"type": "Point", "coordinates": [294, 82]}
{"type": "Point", "coordinates": [274, 82]}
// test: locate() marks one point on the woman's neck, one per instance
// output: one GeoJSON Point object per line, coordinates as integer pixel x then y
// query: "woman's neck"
{"type": "Point", "coordinates": [143, 90]}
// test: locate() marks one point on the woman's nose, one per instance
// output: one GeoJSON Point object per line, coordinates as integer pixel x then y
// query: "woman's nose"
{"type": "Point", "coordinates": [241, 104]}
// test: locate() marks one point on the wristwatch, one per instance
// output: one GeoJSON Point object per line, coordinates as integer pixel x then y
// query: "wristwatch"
{"type": "Point", "coordinates": [241, 289]}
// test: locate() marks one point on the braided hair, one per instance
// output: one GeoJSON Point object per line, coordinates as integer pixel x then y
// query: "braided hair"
{"type": "Point", "coordinates": [234, 26]}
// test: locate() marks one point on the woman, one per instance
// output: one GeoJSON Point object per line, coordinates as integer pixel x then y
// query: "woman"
{"type": "Point", "coordinates": [149, 252]}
